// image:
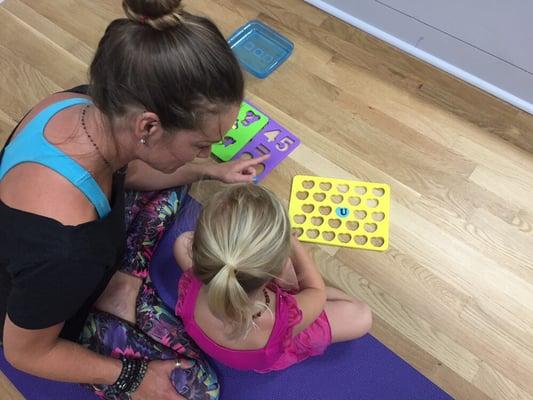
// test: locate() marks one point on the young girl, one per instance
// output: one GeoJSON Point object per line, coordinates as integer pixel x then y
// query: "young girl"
{"type": "Point", "coordinates": [233, 295]}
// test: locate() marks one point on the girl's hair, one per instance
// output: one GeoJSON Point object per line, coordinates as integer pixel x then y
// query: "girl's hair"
{"type": "Point", "coordinates": [241, 242]}
{"type": "Point", "coordinates": [167, 61]}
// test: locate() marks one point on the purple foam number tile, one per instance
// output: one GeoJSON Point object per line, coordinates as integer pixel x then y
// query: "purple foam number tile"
{"type": "Point", "coordinates": [273, 139]}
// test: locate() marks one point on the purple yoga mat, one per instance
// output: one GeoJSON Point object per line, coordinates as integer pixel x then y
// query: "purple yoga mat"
{"type": "Point", "coordinates": [361, 369]}
{"type": "Point", "coordinates": [33, 388]}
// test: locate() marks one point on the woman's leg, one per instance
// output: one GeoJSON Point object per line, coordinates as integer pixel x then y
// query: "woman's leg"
{"type": "Point", "coordinates": [160, 324]}
{"type": "Point", "coordinates": [120, 296]}
{"type": "Point", "coordinates": [148, 215]}
{"type": "Point", "coordinates": [349, 318]}
{"type": "Point", "coordinates": [141, 326]}
{"type": "Point", "coordinates": [108, 335]}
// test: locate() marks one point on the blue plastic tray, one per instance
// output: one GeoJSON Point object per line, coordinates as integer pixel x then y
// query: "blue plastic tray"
{"type": "Point", "coordinates": [259, 48]}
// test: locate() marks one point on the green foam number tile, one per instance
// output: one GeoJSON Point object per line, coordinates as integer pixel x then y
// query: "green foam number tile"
{"type": "Point", "coordinates": [249, 122]}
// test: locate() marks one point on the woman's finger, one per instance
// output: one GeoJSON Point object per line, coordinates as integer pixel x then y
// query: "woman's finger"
{"type": "Point", "coordinates": [250, 171]}
{"type": "Point", "coordinates": [255, 161]}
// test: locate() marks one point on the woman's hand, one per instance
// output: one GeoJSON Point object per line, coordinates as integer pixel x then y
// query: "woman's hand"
{"type": "Point", "coordinates": [238, 170]}
{"type": "Point", "coordinates": [156, 384]}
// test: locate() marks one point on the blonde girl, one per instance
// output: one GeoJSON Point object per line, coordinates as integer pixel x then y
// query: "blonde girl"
{"type": "Point", "coordinates": [251, 296]}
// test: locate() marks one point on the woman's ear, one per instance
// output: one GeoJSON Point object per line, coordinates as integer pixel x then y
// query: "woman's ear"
{"type": "Point", "coordinates": [149, 128]}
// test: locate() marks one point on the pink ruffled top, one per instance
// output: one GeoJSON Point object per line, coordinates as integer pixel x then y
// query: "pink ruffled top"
{"type": "Point", "coordinates": [282, 348]}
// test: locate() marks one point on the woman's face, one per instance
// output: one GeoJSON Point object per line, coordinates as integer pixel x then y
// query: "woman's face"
{"type": "Point", "coordinates": [177, 149]}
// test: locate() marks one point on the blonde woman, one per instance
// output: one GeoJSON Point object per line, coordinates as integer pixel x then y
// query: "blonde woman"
{"type": "Point", "coordinates": [233, 296]}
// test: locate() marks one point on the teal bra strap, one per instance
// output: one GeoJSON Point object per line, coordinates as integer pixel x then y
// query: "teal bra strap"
{"type": "Point", "coordinates": [30, 145]}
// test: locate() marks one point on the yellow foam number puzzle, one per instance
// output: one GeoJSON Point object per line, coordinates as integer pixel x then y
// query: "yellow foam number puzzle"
{"type": "Point", "coordinates": [340, 212]}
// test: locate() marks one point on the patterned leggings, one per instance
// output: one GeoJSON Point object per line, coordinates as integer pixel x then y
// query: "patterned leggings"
{"type": "Point", "coordinates": [158, 334]}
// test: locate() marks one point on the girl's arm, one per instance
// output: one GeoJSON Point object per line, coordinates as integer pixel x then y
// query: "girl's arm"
{"type": "Point", "coordinates": [288, 280]}
{"type": "Point", "coordinates": [312, 296]}
{"type": "Point", "coordinates": [183, 250]}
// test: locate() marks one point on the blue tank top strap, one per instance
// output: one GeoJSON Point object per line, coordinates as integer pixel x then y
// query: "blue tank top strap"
{"type": "Point", "coordinates": [30, 145]}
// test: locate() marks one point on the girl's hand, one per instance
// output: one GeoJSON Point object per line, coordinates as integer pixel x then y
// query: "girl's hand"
{"type": "Point", "coordinates": [238, 170]}
{"type": "Point", "coordinates": [156, 384]}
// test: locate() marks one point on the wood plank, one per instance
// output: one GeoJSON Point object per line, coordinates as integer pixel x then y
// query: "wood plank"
{"type": "Point", "coordinates": [24, 85]}
{"type": "Point", "coordinates": [7, 390]}
{"type": "Point", "coordinates": [49, 30]}
{"type": "Point", "coordinates": [35, 49]}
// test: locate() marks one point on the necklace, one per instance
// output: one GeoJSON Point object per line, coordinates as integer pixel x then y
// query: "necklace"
{"type": "Point", "coordinates": [267, 303]}
{"type": "Point", "coordinates": [90, 137]}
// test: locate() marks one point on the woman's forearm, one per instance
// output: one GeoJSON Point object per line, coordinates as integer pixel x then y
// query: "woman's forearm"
{"type": "Point", "coordinates": [69, 362]}
{"type": "Point", "coordinates": [140, 176]}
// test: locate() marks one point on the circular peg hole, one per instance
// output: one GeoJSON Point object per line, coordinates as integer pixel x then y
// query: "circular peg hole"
{"type": "Point", "coordinates": [360, 190]}
{"type": "Point", "coordinates": [372, 203]}
{"type": "Point", "coordinates": [371, 227]}
{"type": "Point", "coordinates": [246, 156]}
{"type": "Point", "coordinates": [361, 239]}
{"type": "Point", "coordinates": [352, 225]}
{"type": "Point", "coordinates": [299, 219]}
{"type": "Point", "coordinates": [312, 233]}
{"type": "Point", "coordinates": [319, 196]}
{"type": "Point", "coordinates": [354, 201]}
{"type": "Point", "coordinates": [378, 216]}
{"type": "Point", "coordinates": [297, 231]}
{"type": "Point", "coordinates": [325, 186]}
{"type": "Point", "coordinates": [360, 214]}
{"type": "Point", "coordinates": [345, 237]}
{"type": "Point", "coordinates": [317, 221]}
{"type": "Point", "coordinates": [337, 198]}
{"type": "Point", "coordinates": [334, 223]}
{"type": "Point", "coordinates": [342, 188]}
{"type": "Point", "coordinates": [308, 184]}
{"type": "Point", "coordinates": [377, 241]}
{"type": "Point", "coordinates": [324, 210]}
{"type": "Point", "coordinates": [308, 208]}
{"type": "Point", "coordinates": [302, 195]}
{"type": "Point", "coordinates": [329, 236]}
{"type": "Point", "coordinates": [378, 192]}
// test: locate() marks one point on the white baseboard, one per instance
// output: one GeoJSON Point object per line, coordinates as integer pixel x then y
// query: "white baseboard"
{"type": "Point", "coordinates": [469, 76]}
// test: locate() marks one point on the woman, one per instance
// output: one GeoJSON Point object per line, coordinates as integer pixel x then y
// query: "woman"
{"type": "Point", "coordinates": [164, 86]}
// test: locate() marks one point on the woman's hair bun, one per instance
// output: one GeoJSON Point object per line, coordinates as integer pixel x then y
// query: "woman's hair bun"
{"type": "Point", "coordinates": [159, 14]}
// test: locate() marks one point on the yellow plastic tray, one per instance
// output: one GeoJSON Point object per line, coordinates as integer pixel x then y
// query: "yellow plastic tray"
{"type": "Point", "coordinates": [340, 212]}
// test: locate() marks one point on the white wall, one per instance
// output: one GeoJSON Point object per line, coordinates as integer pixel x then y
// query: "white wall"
{"type": "Point", "coordinates": [488, 43]}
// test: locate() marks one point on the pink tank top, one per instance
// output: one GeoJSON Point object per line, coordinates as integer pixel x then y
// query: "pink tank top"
{"type": "Point", "coordinates": [281, 350]}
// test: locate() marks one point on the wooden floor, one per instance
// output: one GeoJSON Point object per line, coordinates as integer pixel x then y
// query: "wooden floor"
{"type": "Point", "coordinates": [454, 294]}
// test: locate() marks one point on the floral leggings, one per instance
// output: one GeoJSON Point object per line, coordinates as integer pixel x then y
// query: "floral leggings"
{"type": "Point", "coordinates": [158, 334]}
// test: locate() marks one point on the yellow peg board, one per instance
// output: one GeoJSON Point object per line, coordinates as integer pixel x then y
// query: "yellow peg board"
{"type": "Point", "coordinates": [340, 212]}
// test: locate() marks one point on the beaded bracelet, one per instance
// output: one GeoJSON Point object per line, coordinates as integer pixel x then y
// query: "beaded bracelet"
{"type": "Point", "coordinates": [139, 376]}
{"type": "Point", "coordinates": [131, 375]}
